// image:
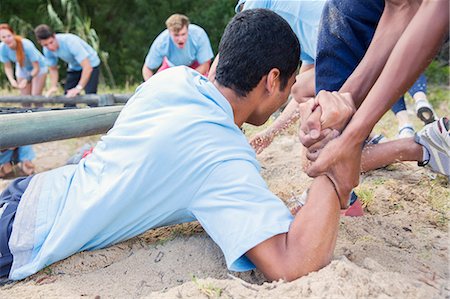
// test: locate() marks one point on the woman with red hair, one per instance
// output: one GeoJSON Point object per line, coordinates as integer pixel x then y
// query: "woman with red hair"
{"type": "Point", "coordinates": [30, 74]}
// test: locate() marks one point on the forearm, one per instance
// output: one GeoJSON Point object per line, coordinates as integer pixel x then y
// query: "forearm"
{"type": "Point", "coordinates": [54, 77]}
{"type": "Point", "coordinates": [392, 24]}
{"type": "Point", "coordinates": [35, 70]}
{"type": "Point", "coordinates": [411, 55]}
{"type": "Point", "coordinates": [204, 67]}
{"type": "Point", "coordinates": [289, 115]}
{"type": "Point", "coordinates": [85, 76]}
{"type": "Point", "coordinates": [310, 241]}
{"type": "Point", "coordinates": [146, 73]}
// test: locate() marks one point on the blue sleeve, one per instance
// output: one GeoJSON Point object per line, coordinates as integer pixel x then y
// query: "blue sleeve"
{"type": "Point", "coordinates": [251, 4]}
{"type": "Point", "coordinates": [77, 49]}
{"type": "Point", "coordinates": [50, 58]}
{"type": "Point", "coordinates": [156, 53]}
{"type": "Point", "coordinates": [3, 56]}
{"type": "Point", "coordinates": [204, 51]}
{"type": "Point", "coordinates": [235, 194]}
{"type": "Point", "coordinates": [306, 59]}
{"type": "Point", "coordinates": [30, 50]}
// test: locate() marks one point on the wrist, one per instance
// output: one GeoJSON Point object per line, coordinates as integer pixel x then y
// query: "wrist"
{"type": "Point", "coordinates": [355, 133]}
{"type": "Point", "coordinates": [79, 87]}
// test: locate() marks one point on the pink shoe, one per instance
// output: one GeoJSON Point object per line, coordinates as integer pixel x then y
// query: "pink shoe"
{"type": "Point", "coordinates": [355, 210]}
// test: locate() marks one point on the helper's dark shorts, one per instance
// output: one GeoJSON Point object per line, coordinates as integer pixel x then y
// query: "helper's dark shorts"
{"type": "Point", "coordinates": [73, 77]}
{"type": "Point", "coordinates": [9, 201]}
{"type": "Point", "coordinates": [346, 30]}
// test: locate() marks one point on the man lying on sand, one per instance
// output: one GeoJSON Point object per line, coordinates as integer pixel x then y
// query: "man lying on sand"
{"type": "Point", "coordinates": [176, 154]}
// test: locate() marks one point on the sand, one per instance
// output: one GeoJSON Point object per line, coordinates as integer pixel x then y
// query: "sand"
{"type": "Point", "coordinates": [399, 249]}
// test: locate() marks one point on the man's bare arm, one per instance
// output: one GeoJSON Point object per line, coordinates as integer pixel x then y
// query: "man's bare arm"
{"type": "Point", "coordinates": [204, 67]}
{"type": "Point", "coordinates": [409, 58]}
{"type": "Point", "coordinates": [310, 242]}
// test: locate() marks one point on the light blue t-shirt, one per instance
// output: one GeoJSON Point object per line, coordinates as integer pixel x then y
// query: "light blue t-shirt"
{"type": "Point", "coordinates": [197, 48]}
{"type": "Point", "coordinates": [73, 50]}
{"type": "Point", "coordinates": [32, 54]}
{"type": "Point", "coordinates": [173, 155]}
{"type": "Point", "coordinates": [302, 15]}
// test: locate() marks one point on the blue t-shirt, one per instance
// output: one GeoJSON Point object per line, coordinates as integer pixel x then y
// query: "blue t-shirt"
{"type": "Point", "coordinates": [72, 50]}
{"type": "Point", "coordinates": [197, 48]}
{"type": "Point", "coordinates": [302, 15]}
{"type": "Point", "coordinates": [173, 155]}
{"type": "Point", "coordinates": [32, 54]}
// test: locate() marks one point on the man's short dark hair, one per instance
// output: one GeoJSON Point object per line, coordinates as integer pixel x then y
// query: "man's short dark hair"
{"type": "Point", "coordinates": [43, 31]}
{"type": "Point", "coordinates": [254, 42]}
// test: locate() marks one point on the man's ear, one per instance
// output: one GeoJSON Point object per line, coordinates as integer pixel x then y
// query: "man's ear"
{"type": "Point", "coordinates": [273, 81]}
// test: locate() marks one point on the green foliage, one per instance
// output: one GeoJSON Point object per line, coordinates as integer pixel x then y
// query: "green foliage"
{"type": "Point", "coordinates": [438, 73]}
{"type": "Point", "coordinates": [124, 30]}
{"type": "Point", "coordinates": [68, 16]}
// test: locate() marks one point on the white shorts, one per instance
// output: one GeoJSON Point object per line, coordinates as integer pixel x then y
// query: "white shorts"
{"type": "Point", "coordinates": [23, 73]}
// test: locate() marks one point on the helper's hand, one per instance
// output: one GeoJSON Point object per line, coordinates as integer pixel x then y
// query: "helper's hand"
{"type": "Point", "coordinates": [327, 110]}
{"type": "Point", "coordinates": [51, 91]}
{"type": "Point", "coordinates": [340, 160]}
{"type": "Point", "coordinates": [261, 140]}
{"type": "Point", "coordinates": [73, 92]}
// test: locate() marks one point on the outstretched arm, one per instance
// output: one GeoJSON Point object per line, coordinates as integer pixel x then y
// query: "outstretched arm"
{"type": "Point", "coordinates": [310, 242]}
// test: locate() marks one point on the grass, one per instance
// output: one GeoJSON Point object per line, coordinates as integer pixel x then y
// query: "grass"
{"type": "Point", "coordinates": [208, 289]}
{"type": "Point", "coordinates": [365, 194]}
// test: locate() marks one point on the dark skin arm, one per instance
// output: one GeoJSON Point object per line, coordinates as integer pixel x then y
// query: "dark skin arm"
{"type": "Point", "coordinates": [341, 157]}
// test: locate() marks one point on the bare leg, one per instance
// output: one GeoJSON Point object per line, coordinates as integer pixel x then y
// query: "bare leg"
{"type": "Point", "coordinates": [37, 85]}
{"type": "Point", "coordinates": [382, 154]}
{"type": "Point", "coordinates": [310, 242]}
{"type": "Point", "coordinates": [25, 91]}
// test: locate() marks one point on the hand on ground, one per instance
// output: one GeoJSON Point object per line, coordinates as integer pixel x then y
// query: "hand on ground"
{"type": "Point", "coordinates": [51, 91]}
{"type": "Point", "coordinates": [72, 92]}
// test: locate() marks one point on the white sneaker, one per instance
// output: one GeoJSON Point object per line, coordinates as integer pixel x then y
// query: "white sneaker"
{"type": "Point", "coordinates": [425, 112]}
{"type": "Point", "coordinates": [407, 131]}
{"type": "Point", "coordinates": [435, 138]}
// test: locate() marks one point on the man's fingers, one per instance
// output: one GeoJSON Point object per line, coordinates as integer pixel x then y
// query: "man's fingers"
{"type": "Point", "coordinates": [313, 155]}
{"type": "Point", "coordinates": [306, 108]}
{"type": "Point", "coordinates": [326, 136]}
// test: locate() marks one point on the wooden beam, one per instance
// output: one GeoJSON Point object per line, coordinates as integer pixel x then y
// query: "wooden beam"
{"type": "Point", "coordinates": [29, 128]}
{"type": "Point", "coordinates": [88, 99]}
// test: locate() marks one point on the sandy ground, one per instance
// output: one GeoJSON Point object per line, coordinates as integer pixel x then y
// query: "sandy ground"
{"type": "Point", "coordinates": [398, 249]}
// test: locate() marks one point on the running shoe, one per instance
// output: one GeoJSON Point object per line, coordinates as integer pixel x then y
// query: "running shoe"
{"type": "Point", "coordinates": [425, 112]}
{"type": "Point", "coordinates": [435, 138]}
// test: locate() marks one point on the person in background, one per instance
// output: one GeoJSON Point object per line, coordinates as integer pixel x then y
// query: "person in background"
{"type": "Point", "coordinates": [424, 110]}
{"type": "Point", "coordinates": [29, 78]}
{"type": "Point", "coordinates": [181, 43]}
{"type": "Point", "coordinates": [83, 61]}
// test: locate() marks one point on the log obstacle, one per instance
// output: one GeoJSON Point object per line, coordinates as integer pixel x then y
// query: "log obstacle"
{"type": "Point", "coordinates": [88, 99]}
{"type": "Point", "coordinates": [29, 128]}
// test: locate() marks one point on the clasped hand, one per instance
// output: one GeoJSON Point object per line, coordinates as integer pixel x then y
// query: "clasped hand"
{"type": "Point", "coordinates": [323, 119]}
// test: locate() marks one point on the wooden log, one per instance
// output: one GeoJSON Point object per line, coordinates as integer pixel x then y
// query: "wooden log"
{"type": "Point", "coordinates": [88, 99]}
{"type": "Point", "coordinates": [37, 127]}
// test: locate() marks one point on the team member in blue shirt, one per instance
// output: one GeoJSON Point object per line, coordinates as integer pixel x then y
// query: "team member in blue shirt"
{"type": "Point", "coordinates": [83, 62]}
{"type": "Point", "coordinates": [176, 154]}
{"type": "Point", "coordinates": [181, 43]}
{"type": "Point", "coordinates": [30, 75]}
